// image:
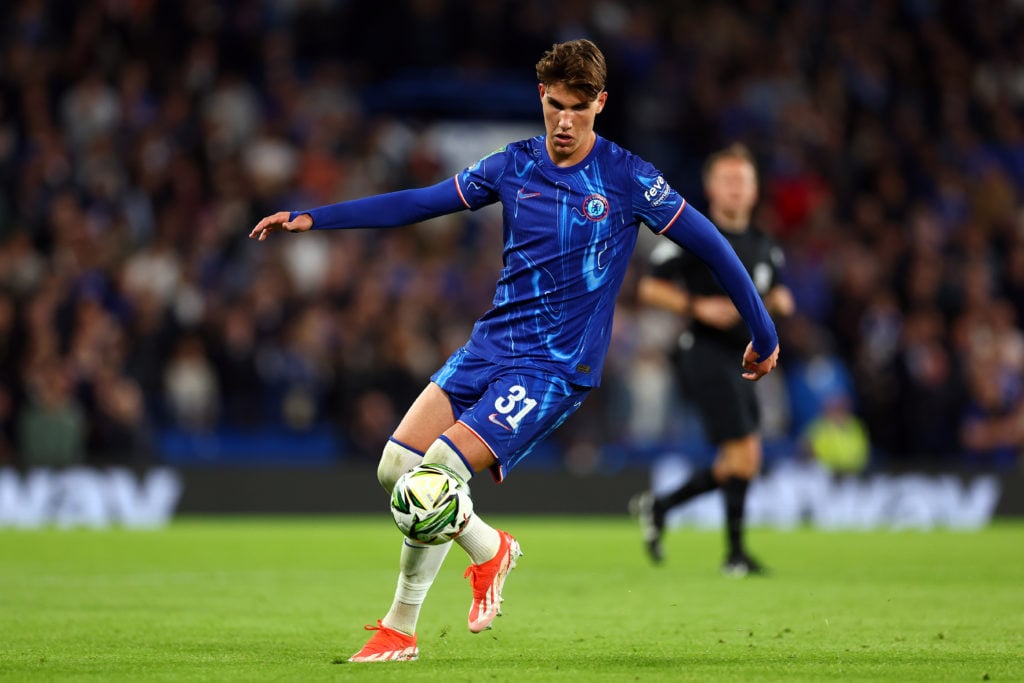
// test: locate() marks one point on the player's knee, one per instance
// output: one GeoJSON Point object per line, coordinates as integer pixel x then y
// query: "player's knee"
{"type": "Point", "coordinates": [747, 469]}
{"type": "Point", "coordinates": [395, 461]}
{"type": "Point", "coordinates": [443, 453]}
{"type": "Point", "coordinates": [739, 458]}
{"type": "Point", "coordinates": [749, 465]}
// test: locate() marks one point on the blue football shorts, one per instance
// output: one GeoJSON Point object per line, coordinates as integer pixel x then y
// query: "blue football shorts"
{"type": "Point", "coordinates": [510, 409]}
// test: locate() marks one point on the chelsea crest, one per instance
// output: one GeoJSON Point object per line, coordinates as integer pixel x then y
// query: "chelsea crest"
{"type": "Point", "coordinates": [595, 207]}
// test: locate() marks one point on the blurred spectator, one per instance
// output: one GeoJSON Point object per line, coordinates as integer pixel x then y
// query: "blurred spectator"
{"type": "Point", "coordinates": [120, 433]}
{"type": "Point", "coordinates": [931, 390]}
{"type": "Point", "coordinates": [814, 372]}
{"type": "Point", "coordinates": [837, 439]}
{"type": "Point", "coordinates": [993, 424]}
{"type": "Point", "coordinates": [51, 425]}
{"type": "Point", "coordinates": [7, 427]}
{"type": "Point", "coordinates": [234, 356]}
{"type": "Point", "coordinates": [191, 390]}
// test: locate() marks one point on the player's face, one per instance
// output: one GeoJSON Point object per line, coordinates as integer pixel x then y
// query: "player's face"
{"type": "Point", "coordinates": [732, 187]}
{"type": "Point", "coordinates": [569, 122]}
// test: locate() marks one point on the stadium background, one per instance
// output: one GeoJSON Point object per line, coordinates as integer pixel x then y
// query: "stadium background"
{"type": "Point", "coordinates": [139, 142]}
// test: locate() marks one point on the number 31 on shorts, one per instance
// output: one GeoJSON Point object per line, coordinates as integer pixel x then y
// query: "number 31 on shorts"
{"type": "Point", "coordinates": [516, 401]}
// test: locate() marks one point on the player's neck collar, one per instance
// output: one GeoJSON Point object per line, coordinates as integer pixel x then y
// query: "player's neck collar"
{"type": "Point", "coordinates": [551, 165]}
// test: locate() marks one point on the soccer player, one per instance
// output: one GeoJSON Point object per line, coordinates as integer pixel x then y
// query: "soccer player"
{"type": "Point", "coordinates": [572, 202]}
{"type": "Point", "coordinates": [680, 282]}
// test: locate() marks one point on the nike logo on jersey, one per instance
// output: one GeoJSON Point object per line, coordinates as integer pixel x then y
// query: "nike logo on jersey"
{"type": "Point", "coordinates": [493, 417]}
{"type": "Point", "coordinates": [527, 195]}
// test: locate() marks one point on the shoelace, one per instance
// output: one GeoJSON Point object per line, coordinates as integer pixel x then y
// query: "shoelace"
{"type": "Point", "coordinates": [382, 628]}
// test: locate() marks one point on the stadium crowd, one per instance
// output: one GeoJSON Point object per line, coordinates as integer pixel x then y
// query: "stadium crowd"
{"type": "Point", "coordinates": [141, 139]}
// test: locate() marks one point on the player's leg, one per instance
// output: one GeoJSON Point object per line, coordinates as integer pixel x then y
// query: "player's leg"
{"type": "Point", "coordinates": [395, 637]}
{"type": "Point", "coordinates": [419, 563]}
{"type": "Point", "coordinates": [493, 553]}
{"type": "Point", "coordinates": [464, 453]}
{"type": "Point", "coordinates": [738, 463]}
{"type": "Point", "coordinates": [514, 413]}
{"type": "Point", "coordinates": [701, 481]}
{"type": "Point", "coordinates": [429, 415]}
{"type": "Point", "coordinates": [700, 377]}
{"type": "Point", "coordinates": [651, 510]}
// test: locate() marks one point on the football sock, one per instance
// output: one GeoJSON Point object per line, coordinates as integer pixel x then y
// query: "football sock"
{"type": "Point", "coordinates": [480, 540]}
{"type": "Point", "coordinates": [396, 460]}
{"type": "Point", "coordinates": [419, 565]}
{"type": "Point", "coordinates": [735, 490]}
{"type": "Point", "coordinates": [443, 452]}
{"type": "Point", "coordinates": [702, 481]}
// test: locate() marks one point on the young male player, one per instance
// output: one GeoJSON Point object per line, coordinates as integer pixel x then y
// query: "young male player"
{"type": "Point", "coordinates": [571, 203]}
{"type": "Point", "coordinates": [680, 282]}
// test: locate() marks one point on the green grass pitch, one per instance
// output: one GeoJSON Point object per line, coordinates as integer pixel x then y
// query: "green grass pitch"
{"type": "Point", "coordinates": [253, 599]}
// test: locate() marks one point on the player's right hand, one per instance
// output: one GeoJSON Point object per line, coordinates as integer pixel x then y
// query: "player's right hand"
{"type": "Point", "coordinates": [279, 221]}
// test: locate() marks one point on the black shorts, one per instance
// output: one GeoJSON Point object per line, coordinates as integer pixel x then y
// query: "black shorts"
{"type": "Point", "coordinates": [710, 378]}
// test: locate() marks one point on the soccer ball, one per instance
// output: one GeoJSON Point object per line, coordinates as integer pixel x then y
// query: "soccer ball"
{"type": "Point", "coordinates": [431, 504]}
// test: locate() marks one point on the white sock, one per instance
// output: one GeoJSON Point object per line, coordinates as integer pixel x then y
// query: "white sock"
{"type": "Point", "coordinates": [442, 452]}
{"type": "Point", "coordinates": [419, 565]}
{"type": "Point", "coordinates": [479, 539]}
{"type": "Point", "coordinates": [396, 460]}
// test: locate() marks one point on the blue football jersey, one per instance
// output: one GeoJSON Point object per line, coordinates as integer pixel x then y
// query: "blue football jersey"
{"type": "Point", "coordinates": [569, 233]}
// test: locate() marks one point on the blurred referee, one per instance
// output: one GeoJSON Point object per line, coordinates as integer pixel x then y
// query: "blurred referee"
{"type": "Point", "coordinates": [709, 376]}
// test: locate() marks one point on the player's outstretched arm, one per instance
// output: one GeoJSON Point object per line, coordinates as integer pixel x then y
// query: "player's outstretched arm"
{"type": "Point", "coordinates": [389, 210]}
{"type": "Point", "coordinates": [281, 221]}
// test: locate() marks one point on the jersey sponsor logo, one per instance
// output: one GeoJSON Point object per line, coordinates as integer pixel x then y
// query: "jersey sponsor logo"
{"type": "Point", "coordinates": [595, 207]}
{"type": "Point", "coordinates": [527, 195]}
{"type": "Point", "coordinates": [657, 193]}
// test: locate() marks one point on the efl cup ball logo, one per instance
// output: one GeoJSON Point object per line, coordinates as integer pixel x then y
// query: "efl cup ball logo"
{"type": "Point", "coordinates": [595, 207]}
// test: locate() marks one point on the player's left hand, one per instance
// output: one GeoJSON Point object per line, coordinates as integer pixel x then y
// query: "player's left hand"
{"type": "Point", "coordinates": [755, 370]}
